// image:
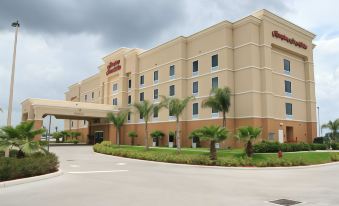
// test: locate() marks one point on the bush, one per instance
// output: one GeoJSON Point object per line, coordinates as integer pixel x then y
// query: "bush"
{"type": "Point", "coordinates": [74, 141]}
{"type": "Point", "coordinates": [321, 140]}
{"type": "Point", "coordinates": [36, 164]}
{"type": "Point", "coordinates": [335, 146]}
{"type": "Point", "coordinates": [272, 147]}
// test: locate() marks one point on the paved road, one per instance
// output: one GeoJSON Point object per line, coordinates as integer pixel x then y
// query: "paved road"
{"type": "Point", "coordinates": [92, 179]}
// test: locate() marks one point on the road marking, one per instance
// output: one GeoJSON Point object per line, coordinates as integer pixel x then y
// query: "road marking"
{"type": "Point", "coordinates": [93, 172]}
{"type": "Point", "coordinates": [121, 163]}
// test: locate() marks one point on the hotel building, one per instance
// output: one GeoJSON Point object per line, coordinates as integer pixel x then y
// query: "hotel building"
{"type": "Point", "coordinates": [265, 60]}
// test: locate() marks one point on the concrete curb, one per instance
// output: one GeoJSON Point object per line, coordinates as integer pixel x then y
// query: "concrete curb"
{"type": "Point", "coordinates": [233, 168]}
{"type": "Point", "coordinates": [10, 183]}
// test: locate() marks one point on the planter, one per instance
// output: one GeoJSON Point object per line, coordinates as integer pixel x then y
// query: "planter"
{"type": "Point", "coordinates": [170, 144]}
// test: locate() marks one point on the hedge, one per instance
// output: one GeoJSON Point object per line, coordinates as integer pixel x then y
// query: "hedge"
{"type": "Point", "coordinates": [36, 164]}
{"type": "Point", "coordinates": [272, 147]}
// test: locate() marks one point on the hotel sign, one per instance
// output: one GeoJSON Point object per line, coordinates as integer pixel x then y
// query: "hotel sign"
{"type": "Point", "coordinates": [283, 37]}
{"type": "Point", "coordinates": [113, 67]}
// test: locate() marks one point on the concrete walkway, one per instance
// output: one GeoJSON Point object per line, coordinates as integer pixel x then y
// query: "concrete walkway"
{"type": "Point", "coordinates": [92, 179]}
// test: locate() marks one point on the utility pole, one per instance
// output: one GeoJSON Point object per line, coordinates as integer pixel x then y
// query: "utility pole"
{"type": "Point", "coordinates": [10, 101]}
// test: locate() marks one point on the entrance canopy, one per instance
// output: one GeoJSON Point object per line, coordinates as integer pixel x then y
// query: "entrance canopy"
{"type": "Point", "coordinates": [37, 109]}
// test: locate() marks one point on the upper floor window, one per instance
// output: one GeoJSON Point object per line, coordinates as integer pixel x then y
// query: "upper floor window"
{"type": "Point", "coordinates": [156, 76]}
{"type": "Point", "coordinates": [195, 110]}
{"type": "Point", "coordinates": [195, 68]}
{"type": "Point", "coordinates": [115, 87]}
{"type": "Point", "coordinates": [288, 87]}
{"type": "Point", "coordinates": [129, 84]}
{"type": "Point", "coordinates": [155, 94]}
{"type": "Point", "coordinates": [85, 97]}
{"type": "Point", "coordinates": [172, 90]}
{"type": "Point", "coordinates": [92, 95]}
{"type": "Point", "coordinates": [172, 72]}
{"type": "Point", "coordinates": [142, 80]}
{"type": "Point", "coordinates": [115, 101]}
{"type": "Point", "coordinates": [155, 113]}
{"type": "Point", "coordinates": [195, 88]}
{"type": "Point", "coordinates": [215, 82]}
{"type": "Point", "coordinates": [129, 116]}
{"type": "Point", "coordinates": [288, 108]}
{"type": "Point", "coordinates": [141, 97]}
{"type": "Point", "coordinates": [129, 99]}
{"type": "Point", "coordinates": [287, 65]}
{"type": "Point", "coordinates": [72, 125]}
{"type": "Point", "coordinates": [215, 60]}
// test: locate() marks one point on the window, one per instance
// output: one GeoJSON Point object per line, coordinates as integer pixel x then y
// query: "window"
{"type": "Point", "coordinates": [115, 87]}
{"type": "Point", "coordinates": [214, 82]}
{"type": "Point", "coordinates": [92, 95]}
{"type": "Point", "coordinates": [156, 76]}
{"type": "Point", "coordinates": [129, 84]}
{"type": "Point", "coordinates": [129, 116]}
{"type": "Point", "coordinates": [84, 122]}
{"type": "Point", "coordinates": [172, 90]}
{"type": "Point", "coordinates": [85, 97]}
{"type": "Point", "coordinates": [172, 72]}
{"type": "Point", "coordinates": [215, 113]}
{"type": "Point", "coordinates": [129, 99]}
{"type": "Point", "coordinates": [214, 60]}
{"type": "Point", "coordinates": [155, 113]}
{"type": "Point", "coordinates": [288, 88]}
{"type": "Point", "coordinates": [140, 116]}
{"type": "Point", "coordinates": [142, 80]}
{"type": "Point", "coordinates": [115, 101]}
{"type": "Point", "coordinates": [141, 97]}
{"type": "Point", "coordinates": [195, 69]}
{"type": "Point", "coordinates": [155, 94]}
{"type": "Point", "coordinates": [195, 110]}
{"type": "Point", "coordinates": [287, 68]}
{"type": "Point", "coordinates": [288, 107]}
{"type": "Point", "coordinates": [195, 87]}
{"type": "Point", "coordinates": [72, 124]}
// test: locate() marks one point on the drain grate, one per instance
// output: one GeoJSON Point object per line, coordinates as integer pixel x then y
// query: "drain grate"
{"type": "Point", "coordinates": [285, 202]}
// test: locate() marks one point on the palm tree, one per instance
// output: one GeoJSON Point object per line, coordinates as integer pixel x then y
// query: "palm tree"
{"type": "Point", "coordinates": [219, 100]}
{"type": "Point", "coordinates": [176, 107]}
{"type": "Point", "coordinates": [247, 134]}
{"type": "Point", "coordinates": [157, 135]}
{"type": "Point", "coordinates": [146, 110]}
{"type": "Point", "coordinates": [333, 126]}
{"type": "Point", "coordinates": [132, 135]}
{"type": "Point", "coordinates": [212, 133]}
{"type": "Point", "coordinates": [118, 120]}
{"type": "Point", "coordinates": [22, 137]}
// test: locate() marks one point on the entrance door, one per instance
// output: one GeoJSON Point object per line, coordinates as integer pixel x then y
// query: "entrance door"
{"type": "Point", "coordinates": [99, 136]}
{"type": "Point", "coordinates": [289, 134]}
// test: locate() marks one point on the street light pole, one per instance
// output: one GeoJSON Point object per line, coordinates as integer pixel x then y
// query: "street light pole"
{"type": "Point", "coordinates": [10, 101]}
{"type": "Point", "coordinates": [319, 132]}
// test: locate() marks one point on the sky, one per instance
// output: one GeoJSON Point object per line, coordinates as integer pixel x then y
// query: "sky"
{"type": "Point", "coordinates": [61, 42]}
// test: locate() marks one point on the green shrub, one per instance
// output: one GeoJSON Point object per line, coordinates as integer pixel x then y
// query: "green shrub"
{"type": "Point", "coordinates": [33, 165]}
{"type": "Point", "coordinates": [335, 146]}
{"type": "Point", "coordinates": [272, 147]}
{"type": "Point", "coordinates": [335, 157]}
{"type": "Point", "coordinates": [318, 146]}
{"type": "Point", "coordinates": [74, 141]}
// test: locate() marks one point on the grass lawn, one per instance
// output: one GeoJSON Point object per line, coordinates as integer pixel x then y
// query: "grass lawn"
{"type": "Point", "coordinates": [234, 157]}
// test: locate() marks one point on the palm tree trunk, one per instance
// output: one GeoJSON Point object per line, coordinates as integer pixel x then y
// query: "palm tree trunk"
{"type": "Point", "coordinates": [178, 135]}
{"type": "Point", "coordinates": [146, 136]}
{"type": "Point", "coordinates": [249, 149]}
{"type": "Point", "coordinates": [118, 135]}
{"type": "Point", "coordinates": [224, 119]}
{"type": "Point", "coordinates": [213, 151]}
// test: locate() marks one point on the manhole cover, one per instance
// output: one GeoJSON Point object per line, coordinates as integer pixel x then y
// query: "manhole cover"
{"type": "Point", "coordinates": [285, 202]}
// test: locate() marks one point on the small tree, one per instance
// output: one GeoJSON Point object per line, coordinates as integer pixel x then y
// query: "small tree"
{"type": "Point", "coordinates": [132, 135]}
{"type": "Point", "coordinates": [118, 120]}
{"type": "Point", "coordinates": [74, 135]}
{"type": "Point", "coordinates": [333, 126]}
{"type": "Point", "coordinates": [248, 134]}
{"type": "Point", "coordinates": [57, 136]}
{"type": "Point", "coordinates": [64, 135]}
{"type": "Point", "coordinates": [176, 107]}
{"type": "Point", "coordinates": [157, 135]}
{"type": "Point", "coordinates": [213, 134]}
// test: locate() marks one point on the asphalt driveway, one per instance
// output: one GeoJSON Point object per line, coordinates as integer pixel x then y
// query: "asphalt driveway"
{"type": "Point", "coordinates": [92, 179]}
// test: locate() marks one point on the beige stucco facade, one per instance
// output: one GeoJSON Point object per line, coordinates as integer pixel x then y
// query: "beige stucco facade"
{"type": "Point", "coordinates": [251, 61]}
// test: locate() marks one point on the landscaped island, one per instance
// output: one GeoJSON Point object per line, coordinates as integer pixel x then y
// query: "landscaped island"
{"type": "Point", "coordinates": [232, 158]}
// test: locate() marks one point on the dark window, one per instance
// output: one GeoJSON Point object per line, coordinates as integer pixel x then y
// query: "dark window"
{"type": "Point", "coordinates": [214, 110]}
{"type": "Point", "coordinates": [129, 116]}
{"type": "Point", "coordinates": [155, 113]}
{"type": "Point", "coordinates": [129, 99]}
{"type": "Point", "coordinates": [115, 101]}
{"type": "Point", "coordinates": [155, 76]}
{"type": "Point", "coordinates": [140, 116]}
{"type": "Point", "coordinates": [288, 87]}
{"type": "Point", "coordinates": [141, 97]}
{"type": "Point", "coordinates": [195, 87]}
{"type": "Point", "coordinates": [71, 123]}
{"type": "Point", "coordinates": [214, 60]}
{"type": "Point", "coordinates": [195, 109]}
{"type": "Point", "coordinates": [288, 108]}
{"type": "Point", "coordinates": [214, 82]}
{"type": "Point", "coordinates": [92, 95]}
{"type": "Point", "coordinates": [115, 87]}
{"type": "Point", "coordinates": [155, 94]}
{"type": "Point", "coordinates": [129, 83]}
{"type": "Point", "coordinates": [172, 90]}
{"type": "Point", "coordinates": [195, 66]}
{"type": "Point", "coordinates": [170, 113]}
{"type": "Point", "coordinates": [142, 79]}
{"type": "Point", "coordinates": [287, 65]}
{"type": "Point", "coordinates": [84, 122]}
{"type": "Point", "coordinates": [172, 70]}
{"type": "Point", "coordinates": [86, 97]}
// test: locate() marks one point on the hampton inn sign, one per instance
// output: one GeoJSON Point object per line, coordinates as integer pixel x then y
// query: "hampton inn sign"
{"type": "Point", "coordinates": [113, 67]}
{"type": "Point", "coordinates": [283, 37]}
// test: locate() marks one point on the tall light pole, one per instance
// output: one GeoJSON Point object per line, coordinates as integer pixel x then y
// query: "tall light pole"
{"type": "Point", "coordinates": [10, 101]}
{"type": "Point", "coordinates": [319, 132]}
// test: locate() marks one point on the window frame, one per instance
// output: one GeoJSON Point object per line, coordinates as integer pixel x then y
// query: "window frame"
{"type": "Point", "coordinates": [169, 92]}
{"type": "Point", "coordinates": [217, 78]}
